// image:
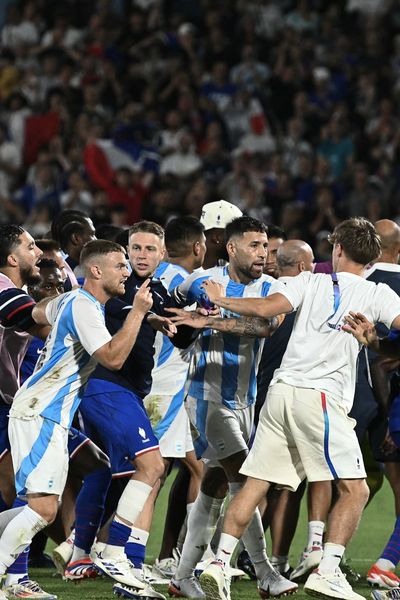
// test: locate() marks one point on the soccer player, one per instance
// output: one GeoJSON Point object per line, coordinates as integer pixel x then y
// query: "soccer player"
{"type": "Point", "coordinates": [186, 248]}
{"type": "Point", "coordinates": [18, 267]}
{"type": "Point", "coordinates": [43, 408]}
{"type": "Point", "coordinates": [220, 399]}
{"type": "Point", "coordinates": [304, 424]}
{"type": "Point", "coordinates": [113, 401]}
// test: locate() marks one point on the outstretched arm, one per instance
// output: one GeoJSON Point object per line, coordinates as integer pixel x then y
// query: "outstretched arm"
{"type": "Point", "coordinates": [271, 306]}
{"type": "Point", "coordinates": [247, 326]}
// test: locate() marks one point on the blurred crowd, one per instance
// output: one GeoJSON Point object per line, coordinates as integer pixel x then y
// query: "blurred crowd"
{"type": "Point", "coordinates": [288, 109]}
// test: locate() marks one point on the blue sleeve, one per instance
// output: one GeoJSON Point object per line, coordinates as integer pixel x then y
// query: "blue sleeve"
{"type": "Point", "coordinates": [16, 309]}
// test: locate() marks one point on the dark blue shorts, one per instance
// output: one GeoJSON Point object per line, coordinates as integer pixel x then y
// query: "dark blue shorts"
{"type": "Point", "coordinates": [115, 419]}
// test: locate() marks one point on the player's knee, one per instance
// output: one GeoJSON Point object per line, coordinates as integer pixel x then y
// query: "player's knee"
{"type": "Point", "coordinates": [357, 489]}
{"type": "Point", "coordinates": [152, 466]}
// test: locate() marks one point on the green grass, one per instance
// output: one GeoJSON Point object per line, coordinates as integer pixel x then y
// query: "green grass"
{"type": "Point", "coordinates": [375, 528]}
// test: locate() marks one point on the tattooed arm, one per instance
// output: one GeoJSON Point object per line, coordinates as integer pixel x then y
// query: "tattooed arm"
{"type": "Point", "coordinates": [246, 326]}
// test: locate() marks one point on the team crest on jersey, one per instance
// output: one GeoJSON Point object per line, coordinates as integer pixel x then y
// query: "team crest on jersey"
{"type": "Point", "coordinates": [143, 435]}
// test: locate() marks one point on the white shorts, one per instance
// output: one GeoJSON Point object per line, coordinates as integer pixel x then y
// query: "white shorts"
{"type": "Point", "coordinates": [39, 450]}
{"type": "Point", "coordinates": [217, 431]}
{"type": "Point", "coordinates": [303, 433]}
{"type": "Point", "coordinates": [170, 424]}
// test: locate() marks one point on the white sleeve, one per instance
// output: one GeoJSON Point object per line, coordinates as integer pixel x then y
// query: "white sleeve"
{"type": "Point", "coordinates": [52, 307]}
{"type": "Point", "coordinates": [295, 288]}
{"type": "Point", "coordinates": [89, 325]}
{"type": "Point", "coordinates": [276, 287]}
{"type": "Point", "coordinates": [387, 305]}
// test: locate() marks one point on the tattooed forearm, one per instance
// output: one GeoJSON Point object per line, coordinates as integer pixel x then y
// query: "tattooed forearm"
{"type": "Point", "coordinates": [246, 326]}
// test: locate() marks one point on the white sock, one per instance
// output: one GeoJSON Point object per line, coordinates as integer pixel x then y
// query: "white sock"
{"type": "Point", "coordinates": [183, 530]}
{"type": "Point", "coordinates": [132, 500]}
{"type": "Point", "coordinates": [280, 563]}
{"type": "Point", "coordinates": [7, 516]}
{"type": "Point", "coordinates": [254, 540]}
{"type": "Point", "coordinates": [331, 558]}
{"type": "Point", "coordinates": [201, 523]}
{"type": "Point", "coordinates": [18, 535]}
{"type": "Point", "coordinates": [226, 548]}
{"type": "Point", "coordinates": [78, 554]}
{"type": "Point", "coordinates": [385, 564]}
{"type": "Point", "coordinates": [138, 536]}
{"type": "Point", "coordinates": [315, 534]}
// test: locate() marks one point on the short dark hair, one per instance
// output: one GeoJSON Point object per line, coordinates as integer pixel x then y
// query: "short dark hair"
{"type": "Point", "coordinates": [47, 263]}
{"type": "Point", "coordinates": [77, 226]}
{"type": "Point", "coordinates": [48, 245]}
{"type": "Point", "coordinates": [358, 238]}
{"type": "Point", "coordinates": [147, 227]}
{"type": "Point", "coordinates": [275, 232]}
{"type": "Point", "coordinates": [243, 224]}
{"type": "Point", "coordinates": [9, 240]}
{"type": "Point", "coordinates": [63, 218]}
{"type": "Point", "coordinates": [99, 247]}
{"type": "Point", "coordinates": [108, 231]}
{"type": "Point", "coordinates": [180, 232]}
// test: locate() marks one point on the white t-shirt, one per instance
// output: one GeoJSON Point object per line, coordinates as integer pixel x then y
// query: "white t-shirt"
{"type": "Point", "coordinates": [320, 355]}
{"type": "Point", "coordinates": [55, 388]}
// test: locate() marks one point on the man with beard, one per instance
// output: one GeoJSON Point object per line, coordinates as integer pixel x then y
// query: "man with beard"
{"type": "Point", "coordinates": [220, 399]}
{"type": "Point", "coordinates": [44, 407]}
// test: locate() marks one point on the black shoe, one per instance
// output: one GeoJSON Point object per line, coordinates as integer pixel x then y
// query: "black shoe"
{"type": "Point", "coordinates": [41, 561]}
{"type": "Point", "coordinates": [245, 563]}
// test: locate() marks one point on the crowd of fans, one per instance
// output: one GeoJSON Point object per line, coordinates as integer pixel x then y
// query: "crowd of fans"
{"type": "Point", "coordinates": [288, 109]}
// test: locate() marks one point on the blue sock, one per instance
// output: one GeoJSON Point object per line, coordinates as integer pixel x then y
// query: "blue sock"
{"type": "Point", "coordinates": [392, 549]}
{"type": "Point", "coordinates": [19, 569]}
{"type": "Point", "coordinates": [135, 548]}
{"type": "Point", "coordinates": [89, 507]}
{"type": "Point", "coordinates": [118, 534]}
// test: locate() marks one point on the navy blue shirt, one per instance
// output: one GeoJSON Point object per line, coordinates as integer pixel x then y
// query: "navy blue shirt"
{"type": "Point", "coordinates": [136, 372]}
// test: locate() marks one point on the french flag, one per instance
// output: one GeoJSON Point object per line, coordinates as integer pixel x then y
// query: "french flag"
{"type": "Point", "coordinates": [111, 154]}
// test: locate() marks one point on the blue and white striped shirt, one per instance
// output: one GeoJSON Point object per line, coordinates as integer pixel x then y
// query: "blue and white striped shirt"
{"type": "Point", "coordinates": [55, 388]}
{"type": "Point", "coordinates": [171, 364]}
{"type": "Point", "coordinates": [224, 367]}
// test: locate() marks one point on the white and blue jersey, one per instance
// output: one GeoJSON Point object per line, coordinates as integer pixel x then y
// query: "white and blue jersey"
{"type": "Point", "coordinates": [55, 388]}
{"type": "Point", "coordinates": [170, 363]}
{"type": "Point", "coordinates": [224, 366]}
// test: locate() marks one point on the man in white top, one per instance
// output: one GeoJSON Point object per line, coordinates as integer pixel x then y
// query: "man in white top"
{"type": "Point", "coordinates": [44, 406]}
{"type": "Point", "coordinates": [304, 430]}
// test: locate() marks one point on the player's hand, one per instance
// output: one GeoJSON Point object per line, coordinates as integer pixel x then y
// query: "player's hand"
{"type": "Point", "coordinates": [192, 318]}
{"type": "Point", "coordinates": [143, 299]}
{"type": "Point", "coordinates": [163, 324]}
{"type": "Point", "coordinates": [363, 330]}
{"type": "Point", "coordinates": [214, 290]}
{"type": "Point", "coordinates": [388, 446]}
{"type": "Point", "coordinates": [212, 312]}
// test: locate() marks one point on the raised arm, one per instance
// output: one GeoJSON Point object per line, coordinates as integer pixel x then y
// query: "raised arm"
{"type": "Point", "coordinates": [114, 353]}
{"type": "Point", "coordinates": [271, 306]}
{"type": "Point", "coordinates": [247, 326]}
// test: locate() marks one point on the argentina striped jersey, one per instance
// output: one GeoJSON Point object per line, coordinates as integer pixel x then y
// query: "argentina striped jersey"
{"type": "Point", "coordinates": [170, 363]}
{"type": "Point", "coordinates": [55, 388]}
{"type": "Point", "coordinates": [224, 366]}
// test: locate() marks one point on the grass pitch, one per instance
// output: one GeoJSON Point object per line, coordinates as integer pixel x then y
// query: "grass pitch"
{"type": "Point", "coordinates": [376, 526]}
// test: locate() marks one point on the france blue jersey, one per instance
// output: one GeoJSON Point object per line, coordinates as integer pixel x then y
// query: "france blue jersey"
{"type": "Point", "coordinates": [171, 364]}
{"type": "Point", "coordinates": [55, 388]}
{"type": "Point", "coordinates": [224, 366]}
